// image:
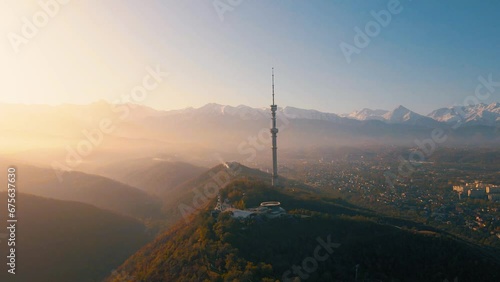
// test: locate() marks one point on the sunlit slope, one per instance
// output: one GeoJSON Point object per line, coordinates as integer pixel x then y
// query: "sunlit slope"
{"type": "Point", "coordinates": [153, 175]}
{"type": "Point", "coordinates": [86, 188]}
{"type": "Point", "coordinates": [225, 249]}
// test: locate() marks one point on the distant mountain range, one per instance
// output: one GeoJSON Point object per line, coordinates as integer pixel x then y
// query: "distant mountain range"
{"type": "Point", "coordinates": [471, 125]}
{"type": "Point", "coordinates": [480, 114]}
{"type": "Point", "coordinates": [39, 132]}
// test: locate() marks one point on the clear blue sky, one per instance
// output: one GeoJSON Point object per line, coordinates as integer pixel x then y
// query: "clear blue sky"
{"type": "Point", "coordinates": [429, 56]}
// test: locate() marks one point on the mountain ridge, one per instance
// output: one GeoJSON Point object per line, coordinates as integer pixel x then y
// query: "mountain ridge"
{"type": "Point", "coordinates": [291, 112]}
{"type": "Point", "coordinates": [69, 241]}
{"type": "Point", "coordinates": [232, 131]}
{"type": "Point", "coordinates": [95, 190]}
{"type": "Point", "coordinates": [445, 114]}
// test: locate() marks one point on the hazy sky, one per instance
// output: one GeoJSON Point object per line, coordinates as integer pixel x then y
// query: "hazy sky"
{"type": "Point", "coordinates": [428, 56]}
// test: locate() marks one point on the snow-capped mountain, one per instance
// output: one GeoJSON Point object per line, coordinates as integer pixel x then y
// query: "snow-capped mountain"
{"type": "Point", "coordinates": [249, 113]}
{"type": "Point", "coordinates": [367, 114]}
{"type": "Point", "coordinates": [213, 109]}
{"type": "Point", "coordinates": [479, 114]}
{"type": "Point", "coordinates": [222, 127]}
{"type": "Point", "coordinates": [296, 113]}
{"type": "Point", "coordinates": [402, 115]}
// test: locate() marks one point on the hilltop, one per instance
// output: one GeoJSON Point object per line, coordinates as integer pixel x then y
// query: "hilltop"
{"type": "Point", "coordinates": [222, 248]}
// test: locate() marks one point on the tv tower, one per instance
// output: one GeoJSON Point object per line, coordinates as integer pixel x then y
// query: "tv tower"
{"type": "Point", "coordinates": [274, 132]}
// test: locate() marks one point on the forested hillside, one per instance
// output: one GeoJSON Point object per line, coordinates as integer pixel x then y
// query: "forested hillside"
{"type": "Point", "coordinates": [222, 248]}
{"type": "Point", "coordinates": [68, 241]}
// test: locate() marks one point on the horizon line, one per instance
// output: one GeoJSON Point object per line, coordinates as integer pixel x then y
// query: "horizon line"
{"type": "Point", "coordinates": [215, 103]}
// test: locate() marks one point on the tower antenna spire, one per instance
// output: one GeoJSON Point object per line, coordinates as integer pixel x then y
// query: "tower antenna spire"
{"type": "Point", "coordinates": [273, 84]}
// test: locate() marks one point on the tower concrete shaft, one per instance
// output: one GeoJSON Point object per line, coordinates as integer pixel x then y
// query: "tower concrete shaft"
{"type": "Point", "coordinates": [274, 132]}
